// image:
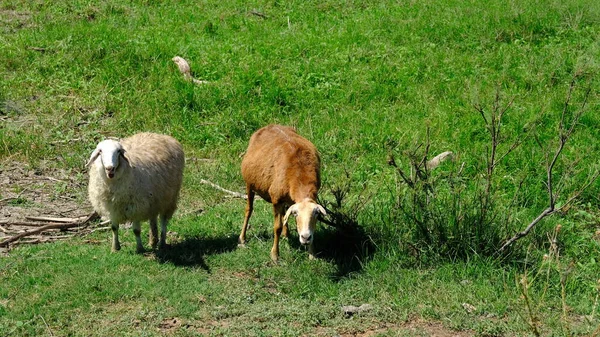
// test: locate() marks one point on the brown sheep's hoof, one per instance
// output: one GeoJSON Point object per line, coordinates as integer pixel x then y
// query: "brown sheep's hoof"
{"type": "Point", "coordinates": [275, 258]}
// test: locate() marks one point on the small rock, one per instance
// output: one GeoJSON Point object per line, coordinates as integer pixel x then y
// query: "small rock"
{"type": "Point", "coordinates": [351, 309]}
{"type": "Point", "coordinates": [469, 308]}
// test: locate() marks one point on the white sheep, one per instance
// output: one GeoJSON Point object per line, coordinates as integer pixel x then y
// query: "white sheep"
{"type": "Point", "coordinates": [284, 169]}
{"type": "Point", "coordinates": [136, 179]}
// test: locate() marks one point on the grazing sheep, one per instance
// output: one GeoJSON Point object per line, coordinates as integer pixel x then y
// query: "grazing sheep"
{"type": "Point", "coordinates": [136, 179]}
{"type": "Point", "coordinates": [284, 169]}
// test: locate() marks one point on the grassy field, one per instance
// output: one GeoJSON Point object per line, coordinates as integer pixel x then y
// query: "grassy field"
{"type": "Point", "coordinates": [365, 81]}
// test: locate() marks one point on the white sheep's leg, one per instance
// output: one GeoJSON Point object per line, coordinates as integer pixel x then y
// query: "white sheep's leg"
{"type": "Point", "coordinates": [153, 239]}
{"type": "Point", "coordinates": [277, 228]}
{"type": "Point", "coordinates": [137, 230]}
{"type": "Point", "coordinates": [249, 208]}
{"type": "Point", "coordinates": [163, 232]}
{"type": "Point", "coordinates": [115, 242]}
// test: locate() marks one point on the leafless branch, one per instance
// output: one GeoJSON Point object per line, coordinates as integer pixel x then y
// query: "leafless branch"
{"type": "Point", "coordinates": [564, 135]}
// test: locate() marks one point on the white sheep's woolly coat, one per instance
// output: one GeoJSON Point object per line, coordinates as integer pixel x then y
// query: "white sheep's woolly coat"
{"type": "Point", "coordinates": [145, 185]}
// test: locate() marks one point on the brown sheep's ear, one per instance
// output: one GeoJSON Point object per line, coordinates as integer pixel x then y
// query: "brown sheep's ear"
{"type": "Point", "coordinates": [93, 157]}
{"type": "Point", "coordinates": [321, 210]}
{"type": "Point", "coordinates": [293, 210]}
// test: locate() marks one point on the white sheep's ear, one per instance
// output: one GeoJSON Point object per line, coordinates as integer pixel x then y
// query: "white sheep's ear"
{"type": "Point", "coordinates": [122, 155]}
{"type": "Point", "coordinates": [320, 210]}
{"type": "Point", "coordinates": [293, 210]}
{"type": "Point", "coordinates": [93, 157]}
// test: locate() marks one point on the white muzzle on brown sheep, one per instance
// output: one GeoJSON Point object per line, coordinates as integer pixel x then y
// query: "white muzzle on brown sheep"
{"type": "Point", "coordinates": [306, 213]}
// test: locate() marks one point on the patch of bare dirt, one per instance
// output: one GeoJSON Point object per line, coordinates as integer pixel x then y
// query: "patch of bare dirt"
{"type": "Point", "coordinates": [12, 20]}
{"type": "Point", "coordinates": [169, 325]}
{"type": "Point", "coordinates": [44, 192]}
{"type": "Point", "coordinates": [412, 328]}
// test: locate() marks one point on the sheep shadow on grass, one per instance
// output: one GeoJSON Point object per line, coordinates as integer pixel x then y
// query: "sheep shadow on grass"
{"type": "Point", "coordinates": [349, 247]}
{"type": "Point", "coordinates": [346, 245]}
{"type": "Point", "coordinates": [191, 251]}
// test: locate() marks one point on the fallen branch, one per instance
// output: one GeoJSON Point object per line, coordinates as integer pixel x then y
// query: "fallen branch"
{"type": "Point", "coordinates": [97, 230]}
{"type": "Point", "coordinates": [83, 221]}
{"type": "Point", "coordinates": [62, 220]}
{"type": "Point", "coordinates": [33, 223]}
{"type": "Point", "coordinates": [40, 49]}
{"type": "Point", "coordinates": [259, 14]}
{"type": "Point", "coordinates": [14, 238]}
{"type": "Point", "coordinates": [47, 326]}
{"type": "Point", "coordinates": [232, 193]}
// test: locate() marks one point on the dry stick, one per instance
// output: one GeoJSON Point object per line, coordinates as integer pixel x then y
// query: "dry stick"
{"type": "Point", "coordinates": [37, 231]}
{"type": "Point", "coordinates": [14, 238]}
{"type": "Point", "coordinates": [259, 14]}
{"type": "Point", "coordinates": [50, 219]}
{"type": "Point", "coordinates": [234, 194]}
{"type": "Point", "coordinates": [97, 230]}
{"type": "Point", "coordinates": [32, 223]}
{"type": "Point", "coordinates": [47, 327]}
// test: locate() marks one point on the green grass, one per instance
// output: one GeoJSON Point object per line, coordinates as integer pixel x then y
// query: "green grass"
{"type": "Point", "coordinates": [362, 80]}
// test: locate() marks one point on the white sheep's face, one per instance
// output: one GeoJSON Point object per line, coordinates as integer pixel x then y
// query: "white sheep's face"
{"type": "Point", "coordinates": [107, 154]}
{"type": "Point", "coordinates": [306, 213]}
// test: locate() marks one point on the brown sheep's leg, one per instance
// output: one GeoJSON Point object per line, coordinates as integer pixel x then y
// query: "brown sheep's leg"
{"type": "Point", "coordinates": [277, 228]}
{"type": "Point", "coordinates": [137, 230]}
{"type": "Point", "coordinates": [153, 239]}
{"type": "Point", "coordinates": [285, 230]}
{"type": "Point", "coordinates": [115, 243]}
{"type": "Point", "coordinates": [249, 208]}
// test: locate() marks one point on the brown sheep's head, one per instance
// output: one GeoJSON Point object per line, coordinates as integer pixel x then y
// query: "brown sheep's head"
{"type": "Point", "coordinates": [306, 213]}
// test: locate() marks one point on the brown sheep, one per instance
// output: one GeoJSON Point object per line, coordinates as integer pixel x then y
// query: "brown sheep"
{"type": "Point", "coordinates": [284, 169]}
